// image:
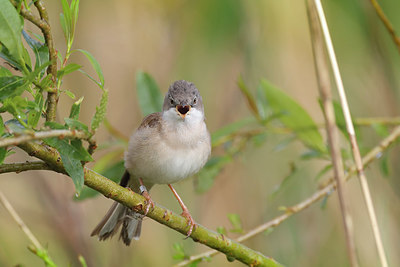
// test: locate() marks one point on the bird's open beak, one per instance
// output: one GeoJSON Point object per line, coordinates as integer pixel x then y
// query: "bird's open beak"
{"type": "Point", "coordinates": [183, 110]}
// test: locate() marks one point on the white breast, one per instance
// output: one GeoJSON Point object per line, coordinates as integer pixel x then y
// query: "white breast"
{"type": "Point", "coordinates": [176, 152]}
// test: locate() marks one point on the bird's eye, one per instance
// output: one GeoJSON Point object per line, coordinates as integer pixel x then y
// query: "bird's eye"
{"type": "Point", "coordinates": [171, 101]}
{"type": "Point", "coordinates": [194, 100]}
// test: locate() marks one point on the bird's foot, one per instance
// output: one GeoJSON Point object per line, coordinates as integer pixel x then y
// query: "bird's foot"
{"type": "Point", "coordinates": [146, 195]}
{"type": "Point", "coordinates": [191, 223]}
{"type": "Point", "coordinates": [149, 202]}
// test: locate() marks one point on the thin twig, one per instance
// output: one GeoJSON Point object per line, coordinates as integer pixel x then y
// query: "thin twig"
{"type": "Point", "coordinates": [322, 71]}
{"type": "Point", "coordinates": [41, 135]}
{"type": "Point", "coordinates": [52, 69]}
{"type": "Point", "coordinates": [19, 221]}
{"type": "Point", "coordinates": [386, 22]}
{"type": "Point", "coordinates": [23, 166]}
{"type": "Point", "coordinates": [325, 191]}
{"type": "Point", "coordinates": [28, 15]}
{"type": "Point", "coordinates": [351, 132]}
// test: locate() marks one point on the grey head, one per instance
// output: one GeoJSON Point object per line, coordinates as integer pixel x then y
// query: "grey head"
{"type": "Point", "coordinates": [183, 96]}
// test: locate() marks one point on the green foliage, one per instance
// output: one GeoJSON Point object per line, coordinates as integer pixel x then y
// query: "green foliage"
{"type": "Point", "coordinates": [149, 94]}
{"type": "Point", "coordinates": [10, 32]}
{"type": "Point", "coordinates": [100, 113]}
{"type": "Point", "coordinates": [72, 153]}
{"type": "Point", "coordinates": [68, 20]}
{"type": "Point", "coordinates": [179, 252]}
{"type": "Point", "coordinates": [68, 69]}
{"type": "Point", "coordinates": [82, 261]}
{"type": "Point", "coordinates": [96, 67]}
{"type": "Point", "coordinates": [224, 133]}
{"type": "Point", "coordinates": [221, 230]}
{"type": "Point", "coordinates": [205, 178]}
{"type": "Point", "coordinates": [40, 50]}
{"type": "Point", "coordinates": [293, 116]}
{"type": "Point", "coordinates": [76, 109]}
{"type": "Point", "coordinates": [112, 171]}
{"type": "Point", "coordinates": [236, 223]}
{"type": "Point", "coordinates": [44, 255]}
{"type": "Point", "coordinates": [285, 181]}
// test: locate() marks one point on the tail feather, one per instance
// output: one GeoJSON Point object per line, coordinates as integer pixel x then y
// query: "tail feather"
{"type": "Point", "coordinates": [131, 227]}
{"type": "Point", "coordinates": [117, 215]}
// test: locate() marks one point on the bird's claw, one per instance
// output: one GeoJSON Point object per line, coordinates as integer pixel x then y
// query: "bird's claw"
{"type": "Point", "coordinates": [149, 202]}
{"type": "Point", "coordinates": [191, 223]}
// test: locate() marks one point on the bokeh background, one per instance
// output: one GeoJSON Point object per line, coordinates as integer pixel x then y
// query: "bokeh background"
{"type": "Point", "coordinates": [212, 43]}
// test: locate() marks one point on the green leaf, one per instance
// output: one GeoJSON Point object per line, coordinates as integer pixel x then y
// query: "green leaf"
{"type": "Point", "coordinates": [36, 73]}
{"type": "Point", "coordinates": [179, 252]}
{"type": "Point", "coordinates": [294, 117]}
{"type": "Point", "coordinates": [323, 171]}
{"type": "Point", "coordinates": [381, 129]}
{"type": "Point", "coordinates": [205, 178]}
{"type": "Point", "coordinates": [80, 151]}
{"type": "Point", "coordinates": [341, 122]}
{"type": "Point", "coordinates": [40, 50]}
{"type": "Point", "coordinates": [2, 128]}
{"type": "Point", "coordinates": [15, 126]}
{"type": "Point", "coordinates": [236, 223]}
{"type": "Point", "coordinates": [74, 7]}
{"type": "Point", "coordinates": [3, 154]}
{"type": "Point", "coordinates": [70, 94]}
{"type": "Point", "coordinates": [82, 261]}
{"type": "Point", "coordinates": [9, 58]}
{"type": "Point", "coordinates": [285, 181]}
{"type": "Point", "coordinates": [75, 124]}
{"type": "Point", "coordinates": [65, 19]}
{"type": "Point", "coordinates": [249, 97]}
{"type": "Point", "coordinates": [64, 26]}
{"type": "Point", "coordinates": [150, 97]}
{"type": "Point", "coordinates": [10, 30]}
{"type": "Point", "coordinates": [68, 69]}
{"type": "Point", "coordinates": [75, 109]}
{"type": "Point", "coordinates": [35, 113]}
{"type": "Point", "coordinates": [16, 106]}
{"type": "Point", "coordinates": [11, 86]}
{"type": "Point", "coordinates": [113, 172]}
{"type": "Point", "coordinates": [100, 112]}
{"type": "Point", "coordinates": [71, 160]}
{"type": "Point", "coordinates": [220, 135]}
{"type": "Point", "coordinates": [96, 67]}
{"type": "Point", "coordinates": [5, 72]}
{"type": "Point", "coordinates": [262, 103]}
{"type": "Point", "coordinates": [55, 125]}
{"type": "Point", "coordinates": [384, 165]}
{"type": "Point", "coordinates": [221, 230]}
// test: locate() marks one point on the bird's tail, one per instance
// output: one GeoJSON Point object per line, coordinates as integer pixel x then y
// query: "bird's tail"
{"type": "Point", "coordinates": [117, 215]}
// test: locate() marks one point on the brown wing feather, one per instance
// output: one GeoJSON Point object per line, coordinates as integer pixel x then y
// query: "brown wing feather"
{"type": "Point", "coordinates": [152, 120]}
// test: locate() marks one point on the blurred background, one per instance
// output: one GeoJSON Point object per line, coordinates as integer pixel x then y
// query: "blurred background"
{"type": "Point", "coordinates": [212, 43]}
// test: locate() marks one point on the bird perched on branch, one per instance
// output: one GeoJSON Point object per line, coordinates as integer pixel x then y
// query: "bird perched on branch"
{"type": "Point", "coordinates": [167, 147]}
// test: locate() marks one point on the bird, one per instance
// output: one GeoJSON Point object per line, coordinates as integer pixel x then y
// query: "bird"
{"type": "Point", "coordinates": [167, 147]}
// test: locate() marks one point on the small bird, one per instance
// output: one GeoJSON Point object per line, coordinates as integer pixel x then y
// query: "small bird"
{"type": "Point", "coordinates": [168, 147]}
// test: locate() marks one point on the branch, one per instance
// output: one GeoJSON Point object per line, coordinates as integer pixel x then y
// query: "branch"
{"type": "Point", "coordinates": [24, 166]}
{"type": "Point", "coordinates": [164, 216]}
{"type": "Point", "coordinates": [386, 22]}
{"type": "Point", "coordinates": [325, 191]}
{"type": "Point", "coordinates": [41, 135]}
{"type": "Point", "coordinates": [52, 70]}
{"type": "Point", "coordinates": [28, 15]}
